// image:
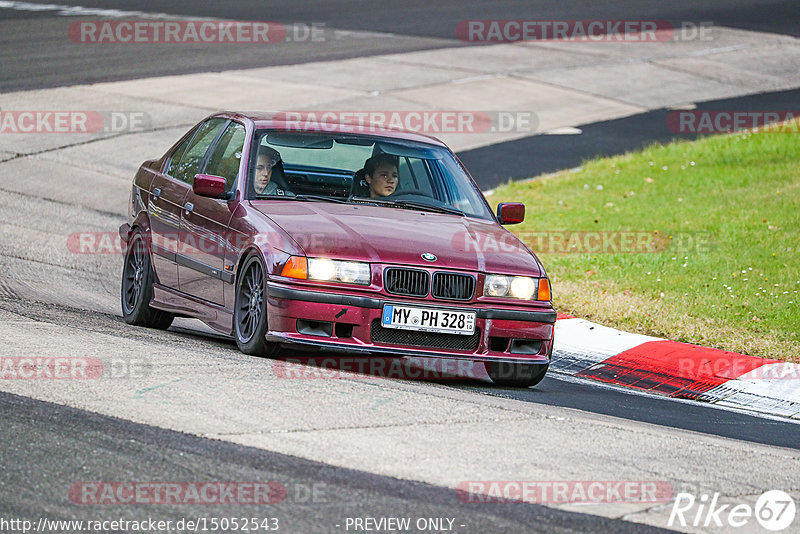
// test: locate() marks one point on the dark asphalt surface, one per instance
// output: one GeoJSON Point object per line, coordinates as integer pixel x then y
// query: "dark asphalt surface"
{"type": "Point", "coordinates": [554, 390]}
{"type": "Point", "coordinates": [586, 396]}
{"type": "Point", "coordinates": [47, 448]}
{"type": "Point", "coordinates": [439, 19]}
{"type": "Point", "coordinates": [493, 165]}
{"type": "Point", "coordinates": [35, 51]}
{"type": "Point", "coordinates": [594, 397]}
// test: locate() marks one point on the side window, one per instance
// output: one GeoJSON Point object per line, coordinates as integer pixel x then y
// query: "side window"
{"type": "Point", "coordinates": [418, 175]}
{"type": "Point", "coordinates": [405, 180]}
{"type": "Point", "coordinates": [194, 155]}
{"type": "Point", "coordinates": [227, 155]}
{"type": "Point", "coordinates": [174, 161]}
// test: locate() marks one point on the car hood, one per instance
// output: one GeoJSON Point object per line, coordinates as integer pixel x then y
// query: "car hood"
{"type": "Point", "coordinates": [400, 236]}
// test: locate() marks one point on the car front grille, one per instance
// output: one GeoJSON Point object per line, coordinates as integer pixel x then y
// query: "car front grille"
{"type": "Point", "coordinates": [409, 338]}
{"type": "Point", "coordinates": [410, 282]}
{"type": "Point", "coordinates": [453, 286]}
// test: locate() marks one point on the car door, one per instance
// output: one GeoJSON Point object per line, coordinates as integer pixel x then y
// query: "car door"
{"type": "Point", "coordinates": [168, 196]}
{"type": "Point", "coordinates": [164, 209]}
{"type": "Point", "coordinates": [204, 223]}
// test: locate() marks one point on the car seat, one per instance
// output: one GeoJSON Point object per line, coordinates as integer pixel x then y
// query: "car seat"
{"type": "Point", "coordinates": [359, 187]}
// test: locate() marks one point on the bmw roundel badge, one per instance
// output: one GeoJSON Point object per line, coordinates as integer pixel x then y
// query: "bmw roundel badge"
{"type": "Point", "coordinates": [427, 256]}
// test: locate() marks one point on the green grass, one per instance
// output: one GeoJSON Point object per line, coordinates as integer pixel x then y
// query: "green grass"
{"type": "Point", "coordinates": [727, 208]}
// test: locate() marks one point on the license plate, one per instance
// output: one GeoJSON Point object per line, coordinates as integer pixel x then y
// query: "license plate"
{"type": "Point", "coordinates": [428, 319]}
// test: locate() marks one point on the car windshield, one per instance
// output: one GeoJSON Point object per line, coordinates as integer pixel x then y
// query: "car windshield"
{"type": "Point", "coordinates": [321, 167]}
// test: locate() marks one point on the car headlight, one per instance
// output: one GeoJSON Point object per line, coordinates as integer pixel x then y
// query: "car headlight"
{"type": "Point", "coordinates": [522, 287]}
{"type": "Point", "coordinates": [496, 286]}
{"type": "Point", "coordinates": [321, 269]}
{"type": "Point", "coordinates": [518, 287]}
{"type": "Point", "coordinates": [348, 272]}
{"type": "Point", "coordinates": [327, 270]}
{"type": "Point", "coordinates": [351, 272]}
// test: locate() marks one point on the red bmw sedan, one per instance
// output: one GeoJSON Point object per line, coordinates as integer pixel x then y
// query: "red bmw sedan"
{"type": "Point", "coordinates": [370, 240]}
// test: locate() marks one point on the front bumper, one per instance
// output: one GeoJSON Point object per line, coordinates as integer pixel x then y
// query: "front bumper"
{"type": "Point", "coordinates": [351, 323]}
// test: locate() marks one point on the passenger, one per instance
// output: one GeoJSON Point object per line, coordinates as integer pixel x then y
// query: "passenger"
{"type": "Point", "coordinates": [380, 173]}
{"type": "Point", "coordinates": [268, 158]}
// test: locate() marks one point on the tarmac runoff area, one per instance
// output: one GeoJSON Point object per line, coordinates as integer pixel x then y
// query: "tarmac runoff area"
{"type": "Point", "coordinates": [469, 97]}
{"type": "Point", "coordinates": [410, 430]}
{"type": "Point", "coordinates": [54, 303]}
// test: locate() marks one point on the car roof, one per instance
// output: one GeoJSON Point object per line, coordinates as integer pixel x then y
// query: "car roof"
{"type": "Point", "coordinates": [268, 120]}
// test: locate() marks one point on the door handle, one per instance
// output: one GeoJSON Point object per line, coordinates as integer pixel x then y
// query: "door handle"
{"type": "Point", "coordinates": [188, 207]}
{"type": "Point", "coordinates": [156, 193]}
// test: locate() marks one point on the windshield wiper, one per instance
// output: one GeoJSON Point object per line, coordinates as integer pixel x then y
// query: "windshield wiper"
{"type": "Point", "coordinates": [429, 207]}
{"type": "Point", "coordinates": [364, 200]}
{"type": "Point", "coordinates": [409, 204]}
{"type": "Point", "coordinates": [274, 197]}
{"type": "Point", "coordinates": [320, 197]}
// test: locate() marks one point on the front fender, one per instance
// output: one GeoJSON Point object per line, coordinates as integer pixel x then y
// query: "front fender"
{"type": "Point", "coordinates": [140, 222]}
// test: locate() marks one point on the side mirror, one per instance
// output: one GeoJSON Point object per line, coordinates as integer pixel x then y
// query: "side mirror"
{"type": "Point", "coordinates": [510, 212]}
{"type": "Point", "coordinates": [208, 185]}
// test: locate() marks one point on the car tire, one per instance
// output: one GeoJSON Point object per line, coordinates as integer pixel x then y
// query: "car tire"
{"type": "Point", "coordinates": [137, 287]}
{"type": "Point", "coordinates": [250, 309]}
{"type": "Point", "coordinates": [518, 375]}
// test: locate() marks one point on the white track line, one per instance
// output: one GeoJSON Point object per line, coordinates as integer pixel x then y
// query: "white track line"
{"type": "Point", "coordinates": [73, 11]}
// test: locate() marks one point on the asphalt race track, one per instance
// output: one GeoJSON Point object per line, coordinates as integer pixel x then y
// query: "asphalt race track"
{"type": "Point", "coordinates": [186, 406]}
{"type": "Point", "coordinates": [417, 25]}
{"type": "Point", "coordinates": [319, 498]}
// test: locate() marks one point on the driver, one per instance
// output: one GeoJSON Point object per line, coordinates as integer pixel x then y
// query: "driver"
{"type": "Point", "coordinates": [380, 173]}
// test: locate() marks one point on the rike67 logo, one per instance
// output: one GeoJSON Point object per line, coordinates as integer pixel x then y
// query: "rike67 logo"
{"type": "Point", "coordinates": [774, 510]}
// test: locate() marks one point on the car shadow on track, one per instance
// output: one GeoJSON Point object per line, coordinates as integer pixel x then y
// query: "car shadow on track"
{"type": "Point", "coordinates": [555, 390]}
{"type": "Point", "coordinates": [319, 363]}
